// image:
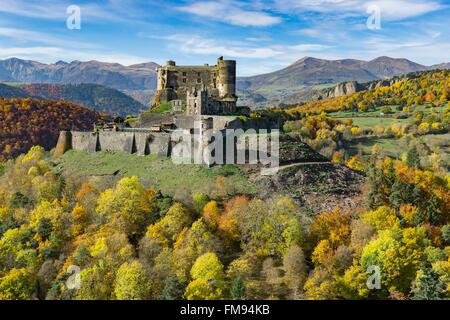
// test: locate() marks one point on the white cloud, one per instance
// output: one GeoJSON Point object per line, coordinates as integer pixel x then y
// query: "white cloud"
{"type": "Point", "coordinates": [309, 47]}
{"type": "Point", "coordinates": [390, 9]}
{"type": "Point", "coordinates": [111, 10]}
{"type": "Point", "coordinates": [53, 54]}
{"type": "Point", "coordinates": [230, 12]}
{"type": "Point", "coordinates": [259, 39]}
{"type": "Point", "coordinates": [195, 44]}
{"type": "Point", "coordinates": [22, 35]}
{"type": "Point", "coordinates": [204, 46]}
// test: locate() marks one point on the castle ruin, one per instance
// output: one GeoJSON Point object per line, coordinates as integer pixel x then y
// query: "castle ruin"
{"type": "Point", "coordinates": [198, 90]}
{"type": "Point", "coordinates": [202, 98]}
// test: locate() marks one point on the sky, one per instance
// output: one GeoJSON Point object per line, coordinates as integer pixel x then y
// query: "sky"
{"type": "Point", "coordinates": [262, 36]}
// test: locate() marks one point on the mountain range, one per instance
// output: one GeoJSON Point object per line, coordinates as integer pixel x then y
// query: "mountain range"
{"type": "Point", "coordinates": [139, 80]}
{"type": "Point", "coordinates": [312, 73]}
{"type": "Point", "coordinates": [135, 77]}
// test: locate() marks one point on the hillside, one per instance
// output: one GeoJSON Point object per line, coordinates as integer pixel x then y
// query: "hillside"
{"type": "Point", "coordinates": [297, 80]}
{"type": "Point", "coordinates": [431, 88]}
{"type": "Point", "coordinates": [28, 122]}
{"type": "Point", "coordinates": [7, 91]}
{"type": "Point", "coordinates": [350, 87]}
{"type": "Point", "coordinates": [96, 97]}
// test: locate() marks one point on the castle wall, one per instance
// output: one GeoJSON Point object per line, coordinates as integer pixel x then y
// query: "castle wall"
{"type": "Point", "coordinates": [160, 145]}
{"type": "Point", "coordinates": [140, 143]}
{"type": "Point", "coordinates": [147, 120]}
{"type": "Point", "coordinates": [142, 140]}
{"type": "Point", "coordinates": [116, 141]}
{"type": "Point", "coordinates": [84, 141]}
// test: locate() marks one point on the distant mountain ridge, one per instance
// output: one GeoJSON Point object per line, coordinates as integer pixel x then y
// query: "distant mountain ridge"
{"type": "Point", "coordinates": [308, 72]}
{"type": "Point", "coordinates": [135, 77]}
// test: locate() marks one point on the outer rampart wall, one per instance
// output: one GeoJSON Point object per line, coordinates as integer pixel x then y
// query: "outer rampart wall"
{"type": "Point", "coordinates": [141, 143]}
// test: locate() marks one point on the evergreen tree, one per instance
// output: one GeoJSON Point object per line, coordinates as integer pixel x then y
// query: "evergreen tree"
{"type": "Point", "coordinates": [446, 233]}
{"type": "Point", "coordinates": [428, 286]}
{"type": "Point", "coordinates": [374, 197]}
{"type": "Point", "coordinates": [434, 213]}
{"type": "Point", "coordinates": [173, 289]}
{"type": "Point", "coordinates": [396, 198]}
{"type": "Point", "coordinates": [238, 288]}
{"type": "Point", "coordinates": [413, 157]}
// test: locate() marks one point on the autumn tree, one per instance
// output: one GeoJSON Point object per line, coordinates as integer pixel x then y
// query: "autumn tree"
{"type": "Point", "coordinates": [207, 278]}
{"type": "Point", "coordinates": [131, 282]}
{"type": "Point", "coordinates": [17, 284]}
{"type": "Point", "coordinates": [127, 206]}
{"type": "Point", "coordinates": [295, 270]}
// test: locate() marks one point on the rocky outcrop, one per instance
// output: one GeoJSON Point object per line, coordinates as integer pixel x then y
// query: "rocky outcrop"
{"type": "Point", "coordinates": [347, 88]}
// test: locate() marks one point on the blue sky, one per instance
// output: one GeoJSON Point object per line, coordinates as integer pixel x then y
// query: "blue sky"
{"type": "Point", "coordinates": [262, 35]}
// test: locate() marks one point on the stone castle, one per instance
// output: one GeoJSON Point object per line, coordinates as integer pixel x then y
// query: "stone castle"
{"type": "Point", "coordinates": [198, 90]}
{"type": "Point", "coordinates": [204, 95]}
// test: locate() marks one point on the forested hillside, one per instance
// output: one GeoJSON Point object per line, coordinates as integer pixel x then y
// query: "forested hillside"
{"type": "Point", "coordinates": [28, 122]}
{"type": "Point", "coordinates": [432, 88]}
{"type": "Point", "coordinates": [96, 97]}
{"type": "Point", "coordinates": [129, 241]}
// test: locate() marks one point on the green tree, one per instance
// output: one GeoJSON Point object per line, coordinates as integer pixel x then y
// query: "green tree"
{"type": "Point", "coordinates": [131, 282]}
{"type": "Point", "coordinates": [173, 289]}
{"type": "Point", "coordinates": [167, 229]}
{"type": "Point", "coordinates": [17, 284]}
{"type": "Point", "coordinates": [446, 233]}
{"type": "Point", "coordinates": [428, 285]}
{"type": "Point", "coordinates": [208, 267]}
{"type": "Point", "coordinates": [413, 157]}
{"type": "Point", "coordinates": [399, 254]}
{"type": "Point", "coordinates": [208, 276]}
{"type": "Point", "coordinates": [237, 290]}
{"type": "Point", "coordinates": [128, 206]}
{"type": "Point", "coordinates": [199, 200]}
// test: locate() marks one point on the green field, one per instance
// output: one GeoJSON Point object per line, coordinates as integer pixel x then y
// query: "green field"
{"type": "Point", "coordinates": [370, 119]}
{"type": "Point", "coordinates": [370, 122]}
{"type": "Point", "coordinates": [161, 173]}
{"type": "Point", "coordinates": [391, 147]}
{"type": "Point", "coordinates": [396, 147]}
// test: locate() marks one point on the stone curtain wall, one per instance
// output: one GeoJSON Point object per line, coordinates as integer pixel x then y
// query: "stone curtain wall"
{"type": "Point", "coordinates": [140, 143]}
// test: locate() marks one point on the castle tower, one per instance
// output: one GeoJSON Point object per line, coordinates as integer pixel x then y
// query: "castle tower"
{"type": "Point", "coordinates": [226, 77]}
